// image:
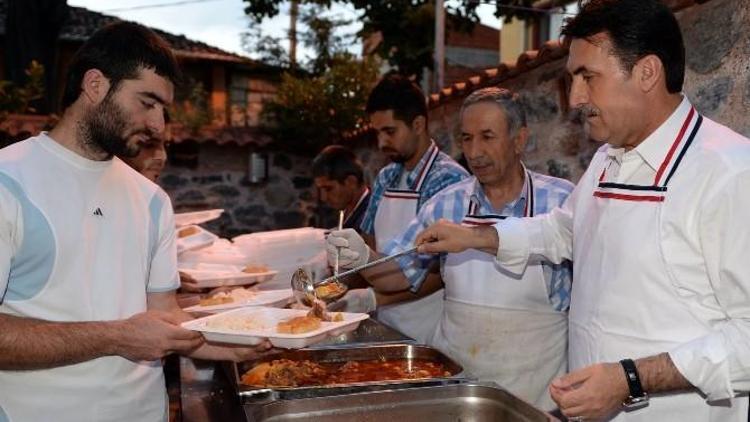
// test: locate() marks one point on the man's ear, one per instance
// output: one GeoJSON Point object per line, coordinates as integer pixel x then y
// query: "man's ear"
{"type": "Point", "coordinates": [519, 142]}
{"type": "Point", "coordinates": [419, 124]}
{"type": "Point", "coordinates": [351, 181]}
{"type": "Point", "coordinates": [649, 72]}
{"type": "Point", "coordinates": [94, 86]}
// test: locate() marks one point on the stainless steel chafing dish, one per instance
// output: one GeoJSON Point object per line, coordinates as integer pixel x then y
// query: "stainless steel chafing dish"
{"type": "Point", "coordinates": [250, 394]}
{"type": "Point", "coordinates": [442, 403]}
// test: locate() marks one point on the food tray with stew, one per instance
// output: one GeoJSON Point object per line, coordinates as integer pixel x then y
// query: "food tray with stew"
{"type": "Point", "coordinates": [285, 328]}
{"type": "Point", "coordinates": [320, 372]}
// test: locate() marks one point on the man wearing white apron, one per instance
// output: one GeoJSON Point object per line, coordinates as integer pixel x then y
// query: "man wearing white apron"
{"type": "Point", "coordinates": [657, 231]}
{"type": "Point", "coordinates": [489, 312]}
{"type": "Point", "coordinates": [398, 112]}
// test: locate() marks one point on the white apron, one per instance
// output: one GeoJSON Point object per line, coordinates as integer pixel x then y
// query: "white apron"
{"type": "Point", "coordinates": [501, 327]}
{"type": "Point", "coordinates": [418, 318]}
{"type": "Point", "coordinates": [623, 304]}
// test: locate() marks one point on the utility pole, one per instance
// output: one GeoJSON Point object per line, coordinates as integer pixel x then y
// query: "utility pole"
{"type": "Point", "coordinates": [293, 34]}
{"type": "Point", "coordinates": [439, 45]}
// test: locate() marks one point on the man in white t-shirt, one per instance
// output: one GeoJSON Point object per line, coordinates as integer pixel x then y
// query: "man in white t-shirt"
{"type": "Point", "coordinates": [87, 254]}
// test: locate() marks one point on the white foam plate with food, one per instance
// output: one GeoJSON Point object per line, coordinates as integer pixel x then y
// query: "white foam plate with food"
{"type": "Point", "coordinates": [190, 238]}
{"type": "Point", "coordinates": [250, 326]}
{"type": "Point", "coordinates": [196, 217]}
{"type": "Point", "coordinates": [270, 298]}
{"type": "Point", "coordinates": [210, 278]}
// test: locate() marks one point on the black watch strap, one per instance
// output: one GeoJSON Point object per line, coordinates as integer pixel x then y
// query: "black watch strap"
{"type": "Point", "coordinates": [634, 381]}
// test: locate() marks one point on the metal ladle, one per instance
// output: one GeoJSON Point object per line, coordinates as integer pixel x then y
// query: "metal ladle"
{"type": "Point", "coordinates": [304, 287]}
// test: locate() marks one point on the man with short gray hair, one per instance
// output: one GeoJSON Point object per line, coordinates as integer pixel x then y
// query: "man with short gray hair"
{"type": "Point", "coordinates": [500, 327]}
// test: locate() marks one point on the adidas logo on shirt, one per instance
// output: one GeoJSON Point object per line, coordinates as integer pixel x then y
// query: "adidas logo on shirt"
{"type": "Point", "coordinates": [98, 212]}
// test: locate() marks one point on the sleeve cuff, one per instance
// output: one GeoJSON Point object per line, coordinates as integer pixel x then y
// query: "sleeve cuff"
{"type": "Point", "coordinates": [704, 362]}
{"type": "Point", "coordinates": [513, 247]}
{"type": "Point", "coordinates": [174, 284]}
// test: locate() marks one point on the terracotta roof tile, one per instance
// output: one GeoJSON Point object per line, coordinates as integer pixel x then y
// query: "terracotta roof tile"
{"type": "Point", "coordinates": [551, 50]}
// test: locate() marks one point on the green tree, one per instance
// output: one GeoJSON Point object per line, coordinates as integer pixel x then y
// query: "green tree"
{"type": "Point", "coordinates": [311, 112]}
{"type": "Point", "coordinates": [523, 9]}
{"type": "Point", "coordinates": [407, 26]}
{"type": "Point", "coordinates": [18, 99]}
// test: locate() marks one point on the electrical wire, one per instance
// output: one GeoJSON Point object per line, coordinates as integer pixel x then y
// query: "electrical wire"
{"type": "Point", "coordinates": [155, 6]}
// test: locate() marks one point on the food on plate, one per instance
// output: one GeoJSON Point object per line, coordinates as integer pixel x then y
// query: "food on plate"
{"type": "Point", "coordinates": [236, 295]}
{"type": "Point", "coordinates": [235, 323]}
{"type": "Point", "coordinates": [318, 310]}
{"type": "Point", "coordinates": [187, 231]}
{"type": "Point", "coordinates": [255, 269]}
{"type": "Point", "coordinates": [216, 300]}
{"type": "Point", "coordinates": [330, 290]}
{"type": "Point", "coordinates": [298, 325]}
{"type": "Point", "coordinates": [293, 373]}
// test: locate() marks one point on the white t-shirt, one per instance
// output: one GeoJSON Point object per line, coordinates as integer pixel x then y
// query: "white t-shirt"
{"type": "Point", "coordinates": [81, 240]}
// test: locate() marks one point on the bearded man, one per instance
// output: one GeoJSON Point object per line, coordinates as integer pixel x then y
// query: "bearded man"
{"type": "Point", "coordinates": [87, 254]}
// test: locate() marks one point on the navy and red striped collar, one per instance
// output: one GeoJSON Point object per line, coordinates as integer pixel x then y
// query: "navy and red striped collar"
{"type": "Point", "coordinates": [673, 154]}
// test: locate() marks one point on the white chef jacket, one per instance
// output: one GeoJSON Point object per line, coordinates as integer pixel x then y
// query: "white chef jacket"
{"type": "Point", "coordinates": [705, 240]}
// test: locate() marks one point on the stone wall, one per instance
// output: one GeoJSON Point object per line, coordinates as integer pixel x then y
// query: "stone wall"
{"type": "Point", "coordinates": [286, 200]}
{"type": "Point", "coordinates": [717, 42]}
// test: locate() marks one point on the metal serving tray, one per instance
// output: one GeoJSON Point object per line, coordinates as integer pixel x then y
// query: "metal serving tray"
{"type": "Point", "coordinates": [250, 394]}
{"type": "Point", "coordinates": [443, 403]}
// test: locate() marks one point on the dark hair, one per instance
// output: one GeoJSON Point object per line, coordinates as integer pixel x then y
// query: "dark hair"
{"type": "Point", "coordinates": [120, 51]}
{"type": "Point", "coordinates": [336, 163]}
{"type": "Point", "coordinates": [637, 28]}
{"type": "Point", "coordinates": [398, 93]}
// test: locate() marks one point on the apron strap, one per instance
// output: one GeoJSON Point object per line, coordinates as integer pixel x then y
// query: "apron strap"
{"type": "Point", "coordinates": [432, 153]}
{"type": "Point", "coordinates": [655, 192]}
{"type": "Point", "coordinates": [528, 210]}
{"type": "Point", "coordinates": [356, 206]}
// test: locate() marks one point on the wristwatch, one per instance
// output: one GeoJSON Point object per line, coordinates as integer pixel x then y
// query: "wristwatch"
{"type": "Point", "coordinates": [638, 398]}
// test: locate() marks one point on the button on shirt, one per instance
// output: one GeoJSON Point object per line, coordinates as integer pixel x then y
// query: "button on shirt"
{"type": "Point", "coordinates": [452, 204]}
{"type": "Point", "coordinates": [444, 172]}
{"type": "Point", "coordinates": [705, 240]}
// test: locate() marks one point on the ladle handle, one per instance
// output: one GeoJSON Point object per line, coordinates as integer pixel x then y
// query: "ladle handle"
{"type": "Point", "coordinates": [366, 266]}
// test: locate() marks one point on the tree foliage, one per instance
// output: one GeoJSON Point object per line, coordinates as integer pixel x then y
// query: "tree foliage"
{"type": "Point", "coordinates": [312, 112]}
{"type": "Point", "coordinates": [523, 9]}
{"type": "Point", "coordinates": [407, 27]}
{"type": "Point", "coordinates": [18, 99]}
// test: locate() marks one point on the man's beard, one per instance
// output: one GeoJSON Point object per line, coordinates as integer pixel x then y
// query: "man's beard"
{"type": "Point", "coordinates": [103, 130]}
{"type": "Point", "coordinates": [394, 155]}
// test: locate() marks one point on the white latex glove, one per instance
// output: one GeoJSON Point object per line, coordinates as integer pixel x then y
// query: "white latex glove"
{"type": "Point", "coordinates": [357, 300]}
{"type": "Point", "coordinates": [349, 244]}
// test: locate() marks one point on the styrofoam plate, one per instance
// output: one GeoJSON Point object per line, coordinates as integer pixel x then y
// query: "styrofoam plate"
{"type": "Point", "coordinates": [260, 323]}
{"type": "Point", "coordinates": [212, 278]}
{"type": "Point", "coordinates": [270, 298]}
{"type": "Point", "coordinates": [200, 238]}
{"type": "Point", "coordinates": [197, 217]}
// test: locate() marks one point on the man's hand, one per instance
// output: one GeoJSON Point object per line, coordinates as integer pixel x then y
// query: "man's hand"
{"type": "Point", "coordinates": [352, 249]}
{"type": "Point", "coordinates": [188, 283]}
{"type": "Point", "coordinates": [152, 335]}
{"type": "Point", "coordinates": [445, 236]}
{"type": "Point", "coordinates": [591, 393]}
{"type": "Point", "coordinates": [233, 353]}
{"type": "Point", "coordinates": [358, 300]}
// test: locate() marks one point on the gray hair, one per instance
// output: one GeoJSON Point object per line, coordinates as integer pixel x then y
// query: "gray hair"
{"type": "Point", "coordinates": [507, 100]}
